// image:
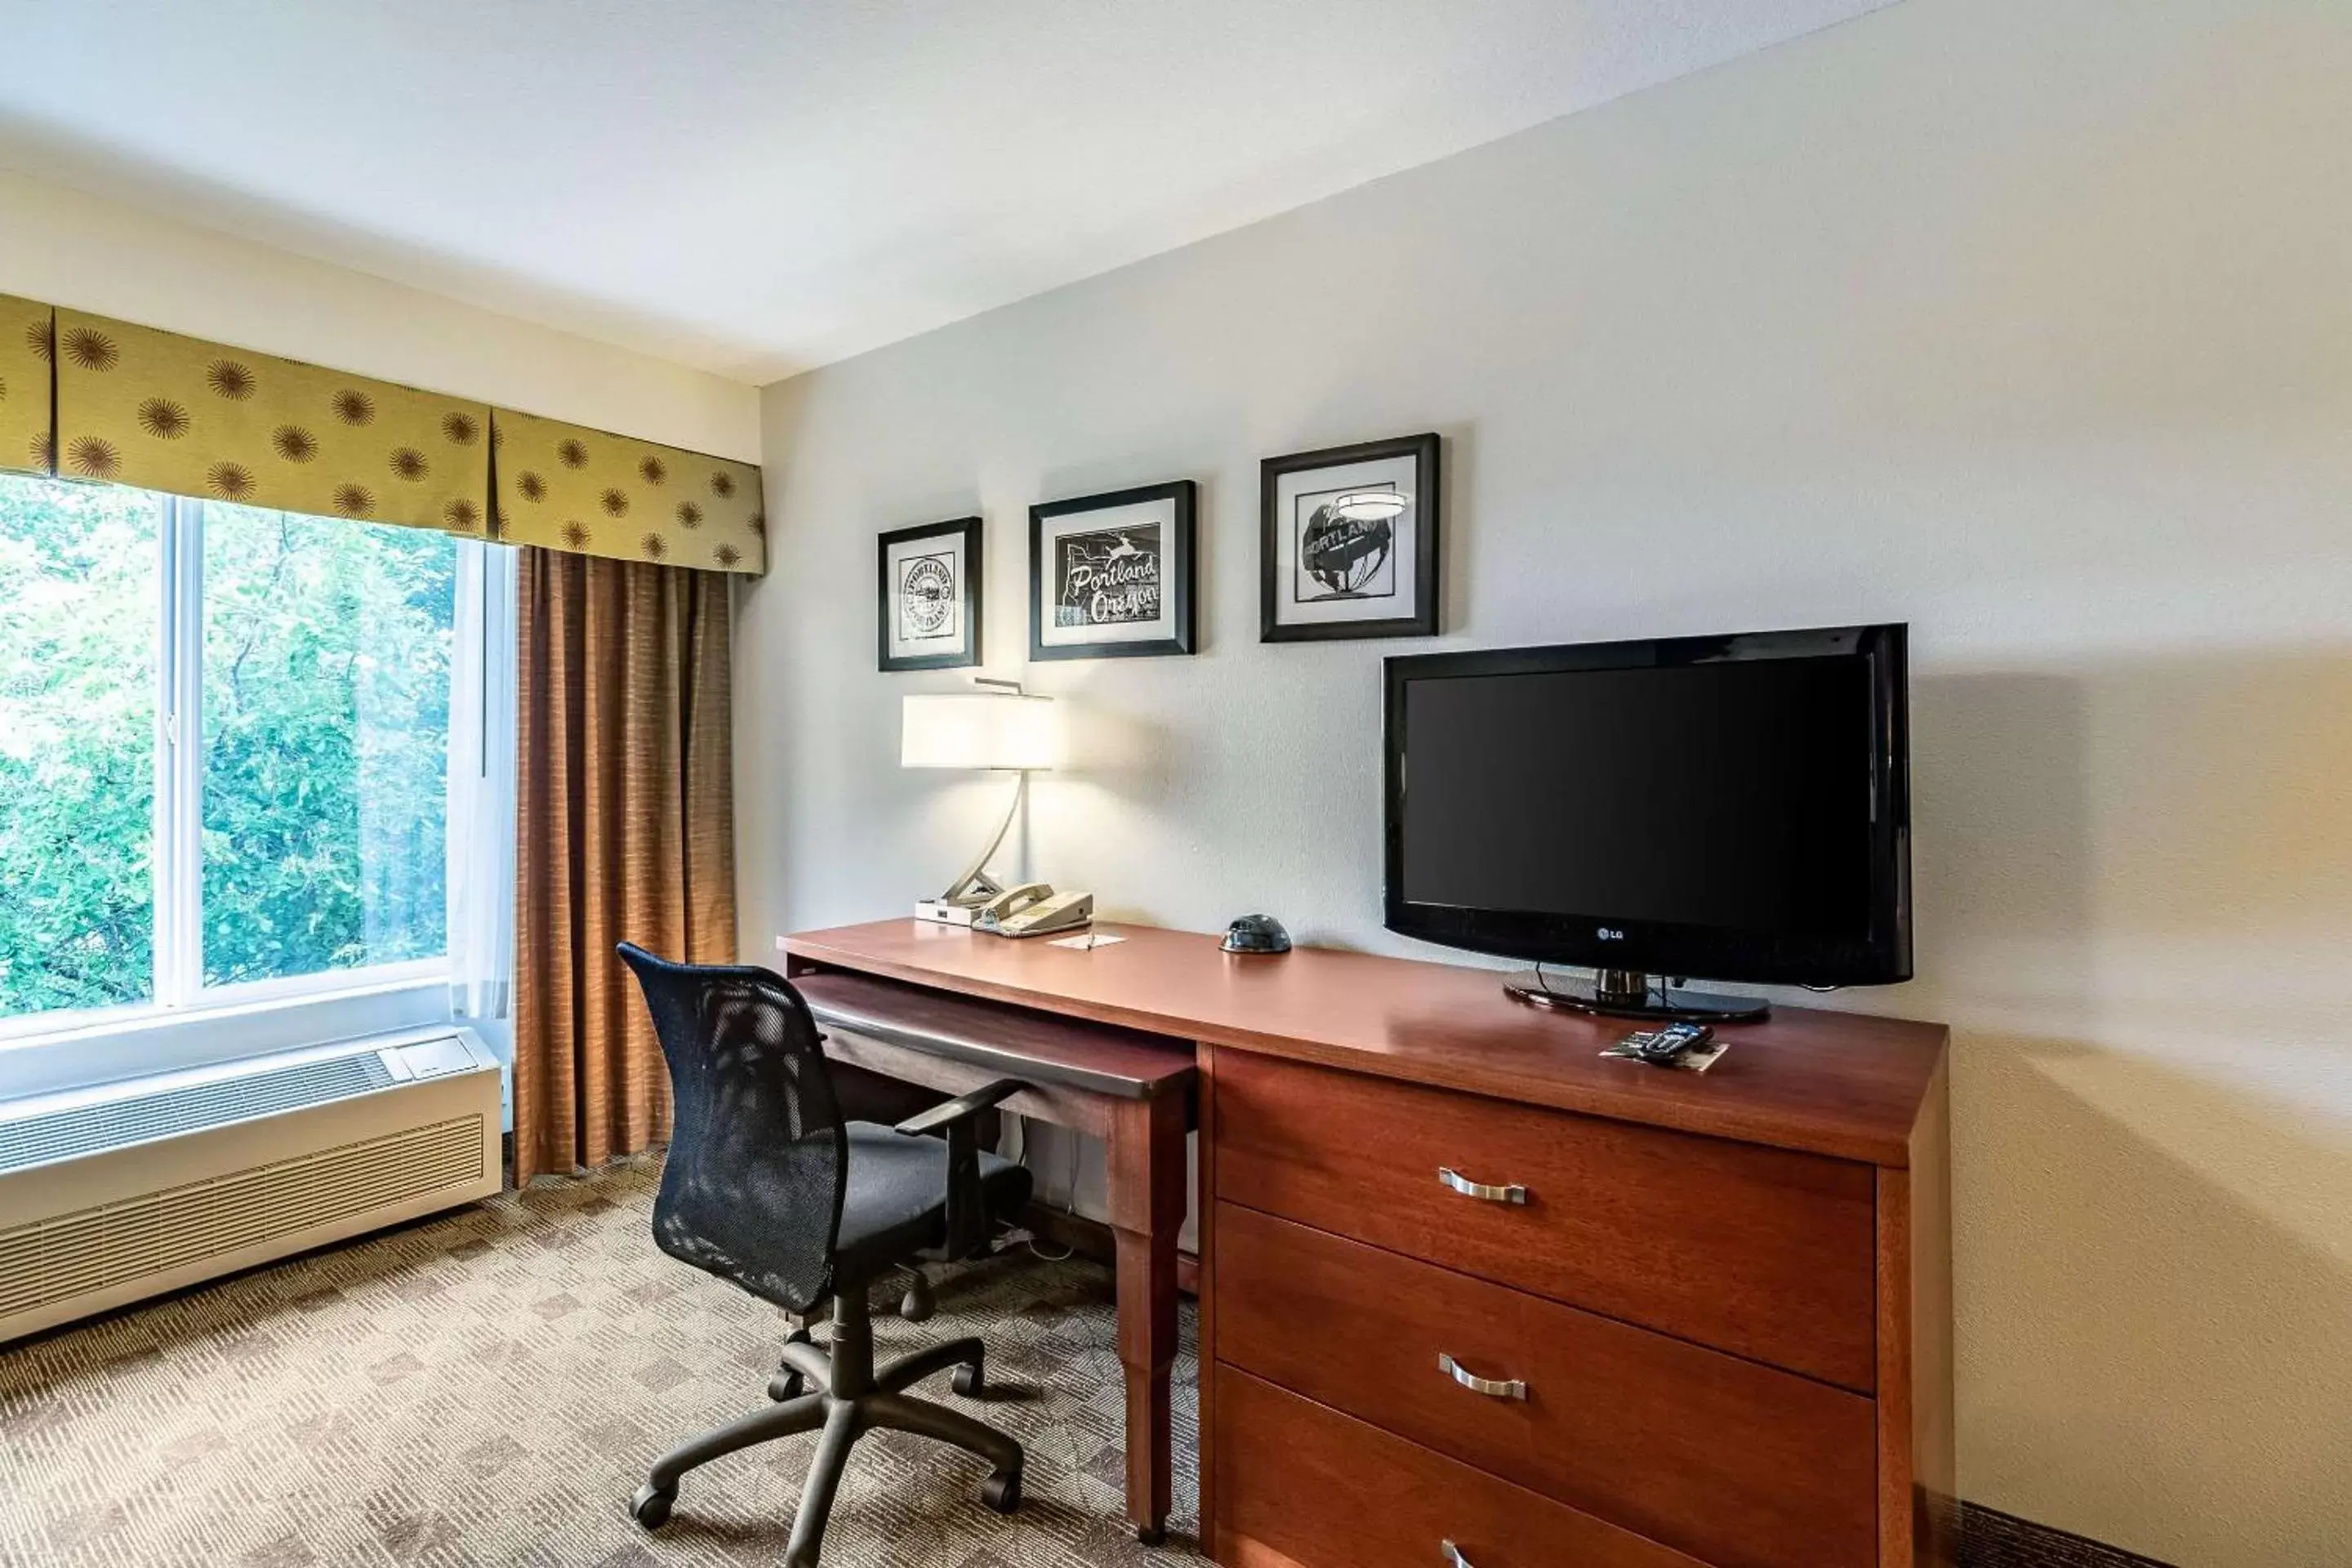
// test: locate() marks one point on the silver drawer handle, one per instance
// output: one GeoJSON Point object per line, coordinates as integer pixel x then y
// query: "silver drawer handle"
{"type": "Point", "coordinates": [1453, 1557]}
{"type": "Point", "coordinates": [1513, 1194]}
{"type": "Point", "coordinates": [1494, 1388]}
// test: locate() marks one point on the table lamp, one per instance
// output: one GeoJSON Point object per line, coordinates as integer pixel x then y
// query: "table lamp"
{"type": "Point", "coordinates": [1004, 729]}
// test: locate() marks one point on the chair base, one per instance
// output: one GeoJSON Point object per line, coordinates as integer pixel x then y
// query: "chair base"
{"type": "Point", "coordinates": [853, 1398]}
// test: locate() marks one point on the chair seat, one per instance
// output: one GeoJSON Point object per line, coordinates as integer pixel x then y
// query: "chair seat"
{"type": "Point", "coordinates": [895, 1205]}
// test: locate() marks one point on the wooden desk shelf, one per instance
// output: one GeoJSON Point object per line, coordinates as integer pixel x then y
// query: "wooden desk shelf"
{"type": "Point", "coordinates": [1728, 1295]}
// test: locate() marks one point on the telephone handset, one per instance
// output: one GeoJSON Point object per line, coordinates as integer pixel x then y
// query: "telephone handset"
{"type": "Point", "coordinates": [1034, 909]}
{"type": "Point", "coordinates": [1013, 900]}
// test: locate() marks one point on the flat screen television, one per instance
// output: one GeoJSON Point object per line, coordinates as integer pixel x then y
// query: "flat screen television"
{"type": "Point", "coordinates": [1734, 807]}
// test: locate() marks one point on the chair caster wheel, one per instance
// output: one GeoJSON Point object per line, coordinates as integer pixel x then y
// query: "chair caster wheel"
{"type": "Point", "coordinates": [788, 1383]}
{"type": "Point", "coordinates": [918, 1304]}
{"type": "Point", "coordinates": [1002, 1492]}
{"type": "Point", "coordinates": [650, 1506]}
{"type": "Point", "coordinates": [970, 1381]}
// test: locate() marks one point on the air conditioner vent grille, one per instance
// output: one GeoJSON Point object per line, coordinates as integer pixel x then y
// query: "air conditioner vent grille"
{"type": "Point", "coordinates": [90, 1129]}
{"type": "Point", "coordinates": [97, 1248]}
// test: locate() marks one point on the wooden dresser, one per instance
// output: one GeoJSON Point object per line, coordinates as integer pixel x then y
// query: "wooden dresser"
{"type": "Point", "coordinates": [1473, 1297]}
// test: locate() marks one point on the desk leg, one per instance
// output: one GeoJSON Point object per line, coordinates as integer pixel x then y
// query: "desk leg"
{"type": "Point", "coordinates": [1147, 1211]}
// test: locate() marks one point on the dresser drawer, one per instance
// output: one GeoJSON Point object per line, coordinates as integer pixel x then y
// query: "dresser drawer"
{"type": "Point", "coordinates": [1761, 1252]}
{"type": "Point", "coordinates": [1299, 1486]}
{"type": "Point", "coordinates": [1737, 1464]}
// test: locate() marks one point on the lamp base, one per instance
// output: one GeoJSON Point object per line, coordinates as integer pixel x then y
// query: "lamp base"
{"type": "Point", "coordinates": [960, 904]}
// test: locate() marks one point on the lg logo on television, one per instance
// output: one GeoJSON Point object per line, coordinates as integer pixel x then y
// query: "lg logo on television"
{"type": "Point", "coordinates": [1610, 934]}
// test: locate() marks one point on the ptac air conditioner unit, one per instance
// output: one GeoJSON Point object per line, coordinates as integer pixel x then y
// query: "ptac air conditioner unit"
{"type": "Point", "coordinates": [123, 1190]}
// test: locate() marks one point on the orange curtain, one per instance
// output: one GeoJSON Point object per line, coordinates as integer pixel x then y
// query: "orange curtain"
{"type": "Point", "coordinates": [625, 809]}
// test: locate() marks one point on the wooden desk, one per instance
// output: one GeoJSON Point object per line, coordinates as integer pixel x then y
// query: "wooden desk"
{"type": "Point", "coordinates": [1131, 1089]}
{"type": "Point", "coordinates": [1748, 1269]}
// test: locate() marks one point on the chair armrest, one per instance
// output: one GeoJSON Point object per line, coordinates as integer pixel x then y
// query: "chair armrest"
{"type": "Point", "coordinates": [967, 1214]}
{"type": "Point", "coordinates": [963, 1108]}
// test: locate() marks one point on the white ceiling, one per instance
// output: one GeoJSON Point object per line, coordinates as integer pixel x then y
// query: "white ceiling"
{"type": "Point", "coordinates": [758, 186]}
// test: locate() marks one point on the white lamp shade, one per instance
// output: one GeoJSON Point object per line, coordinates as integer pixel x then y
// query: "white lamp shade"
{"type": "Point", "coordinates": [979, 731]}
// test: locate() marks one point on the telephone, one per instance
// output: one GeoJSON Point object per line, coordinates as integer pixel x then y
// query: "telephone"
{"type": "Point", "coordinates": [1034, 909]}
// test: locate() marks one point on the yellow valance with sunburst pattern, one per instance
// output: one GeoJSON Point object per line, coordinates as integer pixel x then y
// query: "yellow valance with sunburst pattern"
{"type": "Point", "coordinates": [28, 331]}
{"type": "Point", "coordinates": [563, 487]}
{"type": "Point", "coordinates": [167, 413]}
{"type": "Point", "coordinates": [87, 397]}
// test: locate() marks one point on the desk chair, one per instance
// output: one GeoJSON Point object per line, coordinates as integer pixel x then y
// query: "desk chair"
{"type": "Point", "coordinates": [768, 1189]}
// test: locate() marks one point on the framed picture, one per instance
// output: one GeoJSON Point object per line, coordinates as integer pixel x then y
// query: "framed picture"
{"type": "Point", "coordinates": [930, 609]}
{"type": "Point", "coordinates": [1110, 576]}
{"type": "Point", "coordinates": [1348, 542]}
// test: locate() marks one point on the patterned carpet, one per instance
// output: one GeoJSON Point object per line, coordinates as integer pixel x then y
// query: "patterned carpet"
{"type": "Point", "coordinates": [488, 1388]}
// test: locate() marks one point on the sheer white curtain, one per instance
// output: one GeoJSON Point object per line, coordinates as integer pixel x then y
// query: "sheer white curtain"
{"type": "Point", "coordinates": [482, 801]}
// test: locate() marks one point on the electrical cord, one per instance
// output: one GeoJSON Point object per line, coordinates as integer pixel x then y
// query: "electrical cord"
{"type": "Point", "coordinates": [1019, 1130]}
{"type": "Point", "coordinates": [1069, 1200]}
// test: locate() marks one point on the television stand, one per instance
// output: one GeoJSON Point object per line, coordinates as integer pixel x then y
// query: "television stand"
{"type": "Point", "coordinates": [1630, 994]}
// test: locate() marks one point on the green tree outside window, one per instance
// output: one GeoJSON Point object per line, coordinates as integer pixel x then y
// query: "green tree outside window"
{"type": "Point", "coordinates": [326, 648]}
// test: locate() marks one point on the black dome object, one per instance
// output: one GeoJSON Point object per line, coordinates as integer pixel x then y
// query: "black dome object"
{"type": "Point", "coordinates": [1256, 933]}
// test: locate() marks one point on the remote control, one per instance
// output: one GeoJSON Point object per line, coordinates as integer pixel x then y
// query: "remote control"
{"type": "Point", "coordinates": [1665, 1047]}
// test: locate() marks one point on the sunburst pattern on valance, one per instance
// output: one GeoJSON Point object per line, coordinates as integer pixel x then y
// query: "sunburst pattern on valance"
{"type": "Point", "coordinates": [164, 412]}
{"type": "Point", "coordinates": [562, 487]}
{"type": "Point", "coordinates": [28, 331]}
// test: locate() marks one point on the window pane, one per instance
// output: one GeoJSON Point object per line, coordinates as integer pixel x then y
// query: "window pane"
{"type": "Point", "coordinates": [81, 616]}
{"type": "Point", "coordinates": [326, 740]}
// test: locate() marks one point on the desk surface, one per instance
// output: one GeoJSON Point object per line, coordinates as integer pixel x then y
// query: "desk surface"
{"type": "Point", "coordinates": [1844, 1084]}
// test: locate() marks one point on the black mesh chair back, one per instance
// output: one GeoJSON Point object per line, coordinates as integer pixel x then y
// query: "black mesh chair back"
{"type": "Point", "coordinates": [758, 1155]}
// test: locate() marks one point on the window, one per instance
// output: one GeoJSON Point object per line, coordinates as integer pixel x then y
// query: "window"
{"type": "Point", "coordinates": [78, 634]}
{"type": "Point", "coordinates": [226, 749]}
{"type": "Point", "coordinates": [323, 811]}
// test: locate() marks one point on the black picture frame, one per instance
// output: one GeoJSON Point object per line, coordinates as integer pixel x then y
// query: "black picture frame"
{"type": "Point", "coordinates": [1175, 574]}
{"type": "Point", "coordinates": [1426, 549]}
{"type": "Point", "coordinates": [966, 534]}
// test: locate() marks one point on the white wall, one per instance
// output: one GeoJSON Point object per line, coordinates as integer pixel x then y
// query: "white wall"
{"type": "Point", "coordinates": [66, 248]}
{"type": "Point", "coordinates": [2031, 324]}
